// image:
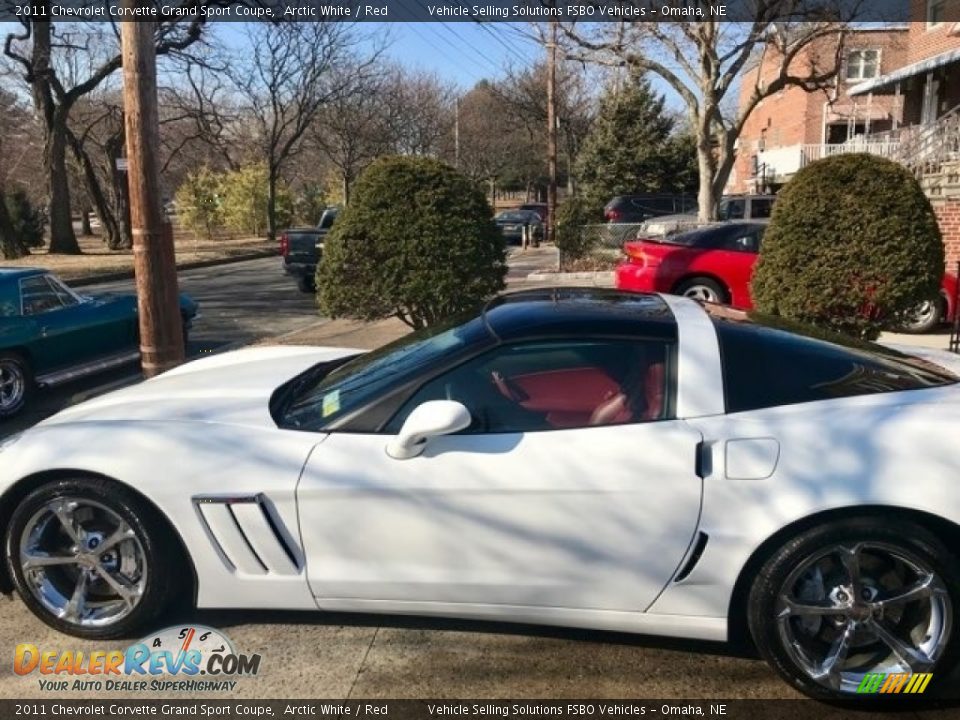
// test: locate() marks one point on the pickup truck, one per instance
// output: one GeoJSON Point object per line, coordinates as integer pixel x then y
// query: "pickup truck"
{"type": "Point", "coordinates": [302, 249]}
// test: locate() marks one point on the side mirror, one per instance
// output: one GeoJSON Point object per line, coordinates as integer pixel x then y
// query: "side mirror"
{"type": "Point", "coordinates": [431, 419]}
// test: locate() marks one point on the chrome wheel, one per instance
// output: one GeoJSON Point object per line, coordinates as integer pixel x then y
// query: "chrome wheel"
{"type": "Point", "coordinates": [703, 293]}
{"type": "Point", "coordinates": [13, 385]}
{"type": "Point", "coordinates": [925, 317]}
{"type": "Point", "coordinates": [82, 562]}
{"type": "Point", "coordinates": [862, 608]}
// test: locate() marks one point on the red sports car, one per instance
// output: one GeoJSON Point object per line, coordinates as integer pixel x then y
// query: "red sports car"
{"type": "Point", "coordinates": [715, 264]}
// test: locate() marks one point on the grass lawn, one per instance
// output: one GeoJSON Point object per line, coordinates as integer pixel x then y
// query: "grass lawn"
{"type": "Point", "coordinates": [97, 258]}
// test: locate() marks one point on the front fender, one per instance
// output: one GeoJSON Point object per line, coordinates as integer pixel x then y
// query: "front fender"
{"type": "Point", "coordinates": [171, 464]}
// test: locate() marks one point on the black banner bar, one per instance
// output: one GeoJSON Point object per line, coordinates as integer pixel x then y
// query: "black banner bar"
{"type": "Point", "coordinates": [463, 10]}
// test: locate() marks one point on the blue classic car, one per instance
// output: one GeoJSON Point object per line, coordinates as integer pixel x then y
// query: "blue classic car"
{"type": "Point", "coordinates": [50, 334]}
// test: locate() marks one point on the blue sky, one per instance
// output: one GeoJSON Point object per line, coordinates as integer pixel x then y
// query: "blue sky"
{"type": "Point", "coordinates": [462, 52]}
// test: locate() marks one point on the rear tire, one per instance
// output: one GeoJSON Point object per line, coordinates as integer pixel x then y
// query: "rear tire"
{"type": "Point", "coordinates": [824, 609]}
{"type": "Point", "coordinates": [16, 384]}
{"type": "Point", "coordinates": [703, 289]}
{"type": "Point", "coordinates": [927, 318]}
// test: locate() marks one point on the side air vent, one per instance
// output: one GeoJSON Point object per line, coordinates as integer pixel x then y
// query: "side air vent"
{"type": "Point", "coordinates": [694, 557]}
{"type": "Point", "coordinates": [248, 534]}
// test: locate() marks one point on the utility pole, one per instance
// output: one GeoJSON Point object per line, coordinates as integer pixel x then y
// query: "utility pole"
{"type": "Point", "coordinates": [158, 305]}
{"type": "Point", "coordinates": [552, 134]}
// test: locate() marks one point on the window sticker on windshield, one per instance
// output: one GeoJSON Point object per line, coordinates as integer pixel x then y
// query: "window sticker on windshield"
{"type": "Point", "coordinates": [331, 403]}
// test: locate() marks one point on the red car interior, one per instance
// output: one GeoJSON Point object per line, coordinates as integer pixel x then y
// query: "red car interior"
{"type": "Point", "coordinates": [572, 397]}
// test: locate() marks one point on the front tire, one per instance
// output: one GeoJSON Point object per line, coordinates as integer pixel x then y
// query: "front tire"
{"type": "Point", "coordinates": [91, 559]}
{"type": "Point", "coordinates": [16, 384]}
{"type": "Point", "coordinates": [858, 597]}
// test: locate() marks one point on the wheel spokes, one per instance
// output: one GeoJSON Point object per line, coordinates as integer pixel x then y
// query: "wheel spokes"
{"type": "Point", "coordinates": [850, 559]}
{"type": "Point", "coordinates": [78, 601]}
{"type": "Point", "coordinates": [915, 659]}
{"type": "Point", "coordinates": [922, 588]}
{"type": "Point", "coordinates": [813, 608]}
{"type": "Point", "coordinates": [123, 532]}
{"type": "Point", "coordinates": [65, 514]}
{"type": "Point", "coordinates": [39, 560]}
{"type": "Point", "coordinates": [128, 593]}
{"type": "Point", "coordinates": [830, 668]}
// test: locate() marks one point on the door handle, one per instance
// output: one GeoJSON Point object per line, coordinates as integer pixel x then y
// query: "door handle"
{"type": "Point", "coordinates": [703, 459]}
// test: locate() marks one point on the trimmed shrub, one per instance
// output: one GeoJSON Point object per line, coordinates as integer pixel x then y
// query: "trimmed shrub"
{"type": "Point", "coordinates": [575, 240]}
{"type": "Point", "coordinates": [417, 242]}
{"type": "Point", "coordinates": [853, 246]}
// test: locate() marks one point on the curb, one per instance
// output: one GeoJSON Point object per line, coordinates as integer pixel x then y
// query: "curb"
{"type": "Point", "coordinates": [196, 265]}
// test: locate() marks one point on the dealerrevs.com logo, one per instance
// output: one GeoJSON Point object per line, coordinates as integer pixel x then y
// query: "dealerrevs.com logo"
{"type": "Point", "coordinates": [189, 659]}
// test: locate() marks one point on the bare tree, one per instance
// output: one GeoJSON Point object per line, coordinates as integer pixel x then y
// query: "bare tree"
{"type": "Point", "coordinates": [290, 72]}
{"type": "Point", "coordinates": [352, 130]}
{"type": "Point", "coordinates": [97, 140]}
{"type": "Point", "coordinates": [524, 94]}
{"type": "Point", "coordinates": [703, 61]}
{"type": "Point", "coordinates": [420, 112]}
{"type": "Point", "coordinates": [199, 117]}
{"type": "Point", "coordinates": [491, 147]}
{"type": "Point", "coordinates": [62, 63]}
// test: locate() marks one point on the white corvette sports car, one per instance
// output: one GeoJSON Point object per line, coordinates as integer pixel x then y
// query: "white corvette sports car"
{"type": "Point", "coordinates": [573, 457]}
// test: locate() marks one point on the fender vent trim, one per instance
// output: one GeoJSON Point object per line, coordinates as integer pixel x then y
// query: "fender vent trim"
{"type": "Point", "coordinates": [248, 535]}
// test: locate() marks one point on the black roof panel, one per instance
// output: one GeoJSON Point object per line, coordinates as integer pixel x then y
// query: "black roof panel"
{"type": "Point", "coordinates": [547, 312]}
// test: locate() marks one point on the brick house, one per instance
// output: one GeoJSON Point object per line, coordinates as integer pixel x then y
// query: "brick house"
{"type": "Point", "coordinates": [793, 127]}
{"type": "Point", "coordinates": [897, 95]}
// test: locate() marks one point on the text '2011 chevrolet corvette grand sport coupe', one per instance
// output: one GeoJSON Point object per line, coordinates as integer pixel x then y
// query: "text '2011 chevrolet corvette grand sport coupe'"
{"type": "Point", "coordinates": [573, 457]}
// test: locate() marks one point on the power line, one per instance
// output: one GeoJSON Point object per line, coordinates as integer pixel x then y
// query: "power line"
{"type": "Point", "coordinates": [472, 73]}
{"type": "Point", "coordinates": [460, 49]}
{"type": "Point", "coordinates": [496, 36]}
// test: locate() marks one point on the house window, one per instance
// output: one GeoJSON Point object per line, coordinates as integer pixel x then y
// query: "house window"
{"type": "Point", "coordinates": [863, 64]}
{"type": "Point", "coordinates": [936, 10]}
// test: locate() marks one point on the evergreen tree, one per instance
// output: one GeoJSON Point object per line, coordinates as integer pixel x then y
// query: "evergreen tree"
{"type": "Point", "coordinates": [632, 147]}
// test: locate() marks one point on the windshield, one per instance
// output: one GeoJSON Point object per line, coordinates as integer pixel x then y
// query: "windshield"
{"type": "Point", "coordinates": [513, 216]}
{"type": "Point", "coordinates": [323, 400]}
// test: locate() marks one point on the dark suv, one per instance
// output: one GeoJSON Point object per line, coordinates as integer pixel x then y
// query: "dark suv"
{"type": "Point", "coordinates": [637, 208]}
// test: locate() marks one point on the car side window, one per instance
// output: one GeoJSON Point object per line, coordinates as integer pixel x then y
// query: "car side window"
{"type": "Point", "coordinates": [733, 210]}
{"type": "Point", "coordinates": [747, 240]}
{"type": "Point", "coordinates": [555, 385]}
{"type": "Point", "coordinates": [39, 296]}
{"type": "Point", "coordinates": [761, 207]}
{"type": "Point", "coordinates": [67, 298]}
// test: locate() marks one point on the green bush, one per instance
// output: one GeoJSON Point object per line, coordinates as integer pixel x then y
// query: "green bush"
{"type": "Point", "coordinates": [199, 202]}
{"type": "Point", "coordinates": [853, 246]}
{"type": "Point", "coordinates": [28, 220]}
{"type": "Point", "coordinates": [574, 239]}
{"type": "Point", "coordinates": [417, 242]}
